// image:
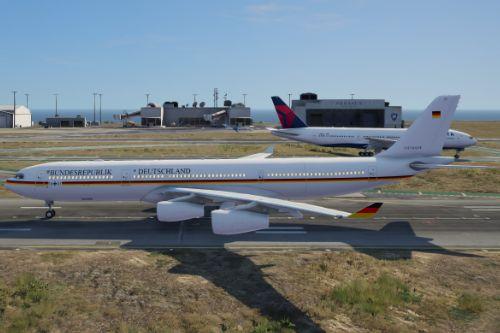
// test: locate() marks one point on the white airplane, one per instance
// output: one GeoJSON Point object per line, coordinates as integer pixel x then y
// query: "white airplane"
{"type": "Point", "coordinates": [377, 139]}
{"type": "Point", "coordinates": [247, 189]}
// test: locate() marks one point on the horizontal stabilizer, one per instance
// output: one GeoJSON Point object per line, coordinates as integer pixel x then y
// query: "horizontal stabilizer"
{"type": "Point", "coordinates": [265, 154]}
{"type": "Point", "coordinates": [367, 212]}
{"type": "Point", "coordinates": [424, 166]}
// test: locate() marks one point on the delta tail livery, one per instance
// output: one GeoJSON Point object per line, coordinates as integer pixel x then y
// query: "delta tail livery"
{"type": "Point", "coordinates": [246, 189]}
{"type": "Point", "coordinates": [377, 139]}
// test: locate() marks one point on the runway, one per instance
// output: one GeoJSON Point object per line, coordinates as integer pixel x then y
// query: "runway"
{"type": "Point", "coordinates": [431, 224]}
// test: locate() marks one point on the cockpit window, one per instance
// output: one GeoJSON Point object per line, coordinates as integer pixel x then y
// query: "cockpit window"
{"type": "Point", "coordinates": [471, 137]}
{"type": "Point", "coordinates": [19, 175]}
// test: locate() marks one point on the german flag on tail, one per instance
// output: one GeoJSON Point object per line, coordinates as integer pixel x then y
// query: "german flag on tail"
{"type": "Point", "coordinates": [436, 114]}
{"type": "Point", "coordinates": [367, 212]}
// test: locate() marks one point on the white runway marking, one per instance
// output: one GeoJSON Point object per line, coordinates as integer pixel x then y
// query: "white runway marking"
{"type": "Point", "coordinates": [15, 229]}
{"type": "Point", "coordinates": [480, 207]}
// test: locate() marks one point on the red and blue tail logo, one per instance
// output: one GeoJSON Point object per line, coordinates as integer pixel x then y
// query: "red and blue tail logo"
{"type": "Point", "coordinates": [288, 118]}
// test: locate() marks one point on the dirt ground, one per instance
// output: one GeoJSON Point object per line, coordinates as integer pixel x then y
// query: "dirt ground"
{"type": "Point", "coordinates": [224, 291]}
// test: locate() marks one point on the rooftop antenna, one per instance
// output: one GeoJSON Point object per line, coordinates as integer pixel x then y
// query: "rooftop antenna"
{"type": "Point", "coordinates": [194, 98]}
{"type": "Point", "coordinates": [147, 98]}
{"type": "Point", "coordinates": [245, 99]}
{"type": "Point", "coordinates": [225, 97]}
{"type": "Point", "coordinates": [27, 100]}
{"type": "Point", "coordinates": [352, 95]}
{"type": "Point", "coordinates": [289, 99]}
{"type": "Point", "coordinates": [55, 95]}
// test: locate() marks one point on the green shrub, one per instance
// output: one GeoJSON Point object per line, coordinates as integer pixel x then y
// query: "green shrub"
{"type": "Point", "coordinates": [30, 289]}
{"type": "Point", "coordinates": [468, 306]}
{"type": "Point", "coordinates": [273, 326]}
{"type": "Point", "coordinates": [366, 297]}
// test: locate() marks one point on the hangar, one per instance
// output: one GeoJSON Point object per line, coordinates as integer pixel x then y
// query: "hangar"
{"type": "Point", "coordinates": [58, 121]}
{"type": "Point", "coordinates": [9, 118]}
{"type": "Point", "coordinates": [347, 112]}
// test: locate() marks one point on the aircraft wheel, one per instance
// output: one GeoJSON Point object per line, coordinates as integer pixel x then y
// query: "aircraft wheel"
{"type": "Point", "coordinates": [457, 156]}
{"type": "Point", "coordinates": [361, 153]}
{"type": "Point", "coordinates": [370, 153]}
{"type": "Point", "coordinates": [50, 213]}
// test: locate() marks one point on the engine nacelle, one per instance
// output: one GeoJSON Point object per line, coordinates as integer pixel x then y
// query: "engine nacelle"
{"type": "Point", "coordinates": [168, 211]}
{"type": "Point", "coordinates": [232, 222]}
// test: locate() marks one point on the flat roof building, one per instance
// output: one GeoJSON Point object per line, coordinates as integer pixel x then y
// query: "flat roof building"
{"type": "Point", "coordinates": [171, 115]}
{"type": "Point", "coordinates": [10, 119]}
{"type": "Point", "coordinates": [228, 115]}
{"type": "Point", "coordinates": [58, 121]}
{"type": "Point", "coordinates": [347, 112]}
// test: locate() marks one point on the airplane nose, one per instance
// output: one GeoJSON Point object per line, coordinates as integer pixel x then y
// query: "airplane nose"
{"type": "Point", "coordinates": [474, 141]}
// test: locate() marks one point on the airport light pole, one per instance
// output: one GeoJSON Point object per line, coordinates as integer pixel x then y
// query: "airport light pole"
{"type": "Point", "coordinates": [100, 109]}
{"type": "Point", "coordinates": [55, 96]}
{"type": "Point", "coordinates": [27, 100]}
{"type": "Point", "coordinates": [14, 92]}
{"type": "Point", "coordinates": [194, 98]}
{"type": "Point", "coordinates": [289, 99]}
{"type": "Point", "coordinates": [352, 95]}
{"type": "Point", "coordinates": [147, 98]}
{"type": "Point", "coordinates": [245, 99]}
{"type": "Point", "coordinates": [95, 94]}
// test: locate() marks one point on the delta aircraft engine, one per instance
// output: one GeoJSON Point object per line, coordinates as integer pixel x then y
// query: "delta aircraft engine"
{"type": "Point", "coordinates": [225, 221]}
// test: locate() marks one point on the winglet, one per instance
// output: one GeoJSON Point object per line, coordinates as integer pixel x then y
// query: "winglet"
{"type": "Point", "coordinates": [367, 212]}
{"type": "Point", "coordinates": [288, 118]}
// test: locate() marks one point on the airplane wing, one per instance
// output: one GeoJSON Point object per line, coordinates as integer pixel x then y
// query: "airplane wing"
{"type": "Point", "coordinates": [379, 144]}
{"type": "Point", "coordinates": [266, 153]}
{"type": "Point", "coordinates": [279, 204]}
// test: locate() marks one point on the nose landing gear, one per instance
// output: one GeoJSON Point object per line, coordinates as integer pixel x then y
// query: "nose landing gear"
{"type": "Point", "coordinates": [50, 213]}
{"type": "Point", "coordinates": [457, 154]}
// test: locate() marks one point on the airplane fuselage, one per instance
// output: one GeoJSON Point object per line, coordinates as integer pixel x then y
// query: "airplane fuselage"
{"type": "Point", "coordinates": [359, 137]}
{"type": "Point", "coordinates": [140, 180]}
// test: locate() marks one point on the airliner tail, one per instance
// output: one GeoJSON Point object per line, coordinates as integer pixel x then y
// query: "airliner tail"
{"type": "Point", "coordinates": [288, 118]}
{"type": "Point", "coordinates": [427, 133]}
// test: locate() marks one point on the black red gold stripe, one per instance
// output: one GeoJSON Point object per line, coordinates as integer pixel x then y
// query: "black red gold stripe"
{"type": "Point", "coordinates": [204, 181]}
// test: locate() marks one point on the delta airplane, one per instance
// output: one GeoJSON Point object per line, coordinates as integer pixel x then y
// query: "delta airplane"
{"type": "Point", "coordinates": [247, 189]}
{"type": "Point", "coordinates": [294, 128]}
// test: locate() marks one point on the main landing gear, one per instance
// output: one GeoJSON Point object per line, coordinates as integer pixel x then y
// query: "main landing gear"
{"type": "Point", "coordinates": [365, 153]}
{"type": "Point", "coordinates": [457, 154]}
{"type": "Point", "coordinates": [50, 213]}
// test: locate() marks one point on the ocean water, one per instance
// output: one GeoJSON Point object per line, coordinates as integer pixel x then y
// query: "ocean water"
{"type": "Point", "coordinates": [258, 114]}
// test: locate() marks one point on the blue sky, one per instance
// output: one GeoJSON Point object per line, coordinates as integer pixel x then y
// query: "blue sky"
{"type": "Point", "coordinates": [404, 51]}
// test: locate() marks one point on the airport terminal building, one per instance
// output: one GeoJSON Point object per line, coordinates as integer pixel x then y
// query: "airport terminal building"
{"type": "Point", "coordinates": [347, 112]}
{"type": "Point", "coordinates": [170, 114]}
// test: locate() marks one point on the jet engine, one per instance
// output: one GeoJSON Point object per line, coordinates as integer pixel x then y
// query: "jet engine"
{"type": "Point", "coordinates": [232, 222]}
{"type": "Point", "coordinates": [171, 211]}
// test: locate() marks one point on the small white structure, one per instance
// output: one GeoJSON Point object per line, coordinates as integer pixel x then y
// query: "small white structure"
{"type": "Point", "coordinates": [9, 118]}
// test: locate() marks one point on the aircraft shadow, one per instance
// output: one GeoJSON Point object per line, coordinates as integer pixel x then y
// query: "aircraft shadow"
{"type": "Point", "coordinates": [235, 273]}
{"type": "Point", "coordinates": [241, 278]}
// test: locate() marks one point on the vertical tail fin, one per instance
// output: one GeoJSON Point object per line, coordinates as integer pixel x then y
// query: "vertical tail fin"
{"type": "Point", "coordinates": [288, 118]}
{"type": "Point", "coordinates": [427, 133]}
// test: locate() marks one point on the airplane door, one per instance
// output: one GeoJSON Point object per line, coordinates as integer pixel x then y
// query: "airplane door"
{"type": "Point", "coordinates": [125, 178]}
{"type": "Point", "coordinates": [372, 172]}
